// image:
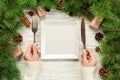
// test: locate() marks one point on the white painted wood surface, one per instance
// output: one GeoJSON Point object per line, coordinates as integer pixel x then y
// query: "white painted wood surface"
{"type": "Point", "coordinates": [59, 70]}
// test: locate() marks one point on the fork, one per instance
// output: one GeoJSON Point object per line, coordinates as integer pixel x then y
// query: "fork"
{"type": "Point", "coordinates": [34, 27]}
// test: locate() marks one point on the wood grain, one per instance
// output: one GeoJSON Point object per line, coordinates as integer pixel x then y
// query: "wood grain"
{"type": "Point", "coordinates": [59, 70]}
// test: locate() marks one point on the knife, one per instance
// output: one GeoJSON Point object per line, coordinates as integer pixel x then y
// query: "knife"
{"type": "Point", "coordinates": [83, 36]}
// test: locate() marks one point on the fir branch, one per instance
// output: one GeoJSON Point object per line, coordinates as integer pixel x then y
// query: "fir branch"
{"type": "Point", "coordinates": [10, 23]}
{"type": "Point", "coordinates": [104, 3]}
{"type": "Point", "coordinates": [113, 29]}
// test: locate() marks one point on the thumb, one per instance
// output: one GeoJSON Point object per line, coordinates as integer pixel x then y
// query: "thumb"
{"type": "Point", "coordinates": [34, 50]}
{"type": "Point", "coordinates": [84, 54]}
{"type": "Point", "coordinates": [90, 53]}
{"type": "Point", "coordinates": [29, 47]}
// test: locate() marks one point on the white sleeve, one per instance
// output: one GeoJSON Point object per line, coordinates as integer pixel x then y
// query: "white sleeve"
{"type": "Point", "coordinates": [32, 71]}
{"type": "Point", "coordinates": [87, 73]}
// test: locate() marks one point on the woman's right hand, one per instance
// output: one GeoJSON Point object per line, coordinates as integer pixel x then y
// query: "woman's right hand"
{"type": "Point", "coordinates": [88, 59]}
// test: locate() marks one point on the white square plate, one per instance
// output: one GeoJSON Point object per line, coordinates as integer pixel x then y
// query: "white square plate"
{"type": "Point", "coordinates": [60, 39]}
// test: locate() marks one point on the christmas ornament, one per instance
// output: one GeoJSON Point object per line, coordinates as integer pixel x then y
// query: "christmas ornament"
{"type": "Point", "coordinates": [60, 4]}
{"type": "Point", "coordinates": [86, 9]}
{"type": "Point", "coordinates": [103, 72]}
{"type": "Point", "coordinates": [96, 22]}
{"type": "Point", "coordinates": [17, 51]}
{"type": "Point", "coordinates": [26, 21]}
{"type": "Point", "coordinates": [107, 8]}
{"type": "Point", "coordinates": [97, 49]}
{"type": "Point", "coordinates": [47, 9]}
{"type": "Point", "coordinates": [40, 11]}
{"type": "Point", "coordinates": [17, 39]}
{"type": "Point", "coordinates": [99, 36]}
{"type": "Point", "coordinates": [31, 13]}
{"type": "Point", "coordinates": [70, 13]}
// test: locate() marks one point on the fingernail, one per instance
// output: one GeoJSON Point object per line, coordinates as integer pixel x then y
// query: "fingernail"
{"type": "Point", "coordinates": [34, 45]}
{"type": "Point", "coordinates": [84, 50]}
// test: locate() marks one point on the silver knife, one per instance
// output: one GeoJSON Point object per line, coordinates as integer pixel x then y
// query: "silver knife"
{"type": "Point", "coordinates": [83, 35]}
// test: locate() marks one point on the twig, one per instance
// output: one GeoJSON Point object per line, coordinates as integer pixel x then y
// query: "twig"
{"type": "Point", "coordinates": [104, 4]}
{"type": "Point", "coordinates": [115, 29]}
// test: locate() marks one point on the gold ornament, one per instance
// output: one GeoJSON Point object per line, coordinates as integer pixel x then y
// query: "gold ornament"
{"type": "Point", "coordinates": [25, 21]}
{"type": "Point", "coordinates": [40, 11]}
{"type": "Point", "coordinates": [17, 51]}
{"type": "Point", "coordinates": [96, 22]}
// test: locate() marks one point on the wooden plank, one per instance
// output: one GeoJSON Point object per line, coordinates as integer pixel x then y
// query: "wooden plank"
{"type": "Point", "coordinates": [59, 70]}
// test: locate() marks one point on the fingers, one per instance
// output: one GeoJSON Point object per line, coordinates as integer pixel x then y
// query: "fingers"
{"type": "Point", "coordinates": [90, 53]}
{"type": "Point", "coordinates": [30, 47]}
{"type": "Point", "coordinates": [88, 58]}
{"type": "Point", "coordinates": [92, 57]}
{"type": "Point", "coordinates": [84, 56]}
{"type": "Point", "coordinates": [34, 49]}
{"type": "Point", "coordinates": [37, 47]}
{"type": "Point", "coordinates": [88, 50]}
{"type": "Point", "coordinates": [87, 54]}
{"type": "Point", "coordinates": [29, 50]}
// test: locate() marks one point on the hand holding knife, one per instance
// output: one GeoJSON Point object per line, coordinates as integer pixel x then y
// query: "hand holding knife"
{"type": "Point", "coordinates": [83, 36]}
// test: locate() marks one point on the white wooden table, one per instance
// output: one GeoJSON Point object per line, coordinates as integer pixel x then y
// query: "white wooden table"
{"type": "Point", "coordinates": [60, 69]}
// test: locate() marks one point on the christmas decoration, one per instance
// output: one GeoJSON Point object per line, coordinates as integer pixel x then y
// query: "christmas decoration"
{"type": "Point", "coordinates": [25, 21]}
{"type": "Point", "coordinates": [86, 9]}
{"type": "Point", "coordinates": [40, 11]}
{"type": "Point", "coordinates": [70, 13]}
{"type": "Point", "coordinates": [17, 51]}
{"type": "Point", "coordinates": [10, 23]}
{"type": "Point", "coordinates": [96, 22]}
{"type": "Point", "coordinates": [99, 36]}
{"type": "Point", "coordinates": [17, 39]}
{"type": "Point", "coordinates": [47, 9]}
{"type": "Point", "coordinates": [97, 49]}
{"type": "Point", "coordinates": [31, 13]}
{"type": "Point", "coordinates": [60, 4]}
{"type": "Point", "coordinates": [103, 72]}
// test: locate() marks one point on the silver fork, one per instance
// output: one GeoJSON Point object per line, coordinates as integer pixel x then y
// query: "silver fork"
{"type": "Point", "coordinates": [34, 27]}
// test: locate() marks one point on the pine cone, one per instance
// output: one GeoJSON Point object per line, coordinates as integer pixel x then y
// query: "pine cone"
{"type": "Point", "coordinates": [17, 39]}
{"type": "Point", "coordinates": [86, 9]}
{"type": "Point", "coordinates": [60, 4]}
{"type": "Point", "coordinates": [31, 13]}
{"type": "Point", "coordinates": [70, 13]}
{"type": "Point", "coordinates": [97, 49]}
{"type": "Point", "coordinates": [103, 72]}
{"type": "Point", "coordinates": [47, 9]}
{"type": "Point", "coordinates": [99, 36]}
{"type": "Point", "coordinates": [59, 7]}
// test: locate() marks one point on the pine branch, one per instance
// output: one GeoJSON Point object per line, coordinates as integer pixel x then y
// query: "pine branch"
{"type": "Point", "coordinates": [10, 23]}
